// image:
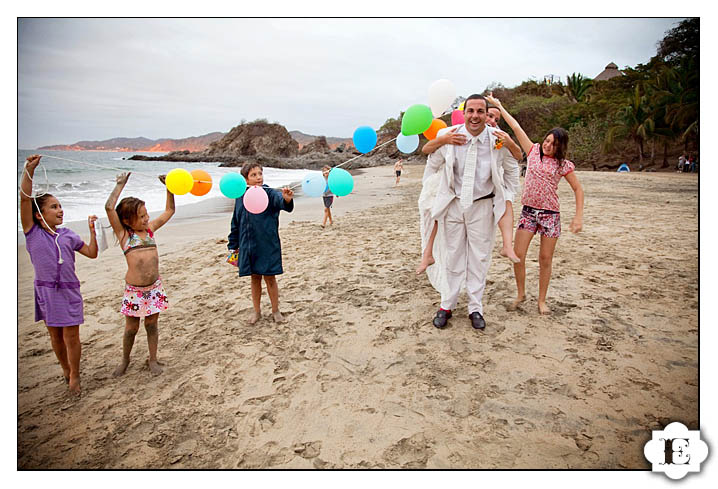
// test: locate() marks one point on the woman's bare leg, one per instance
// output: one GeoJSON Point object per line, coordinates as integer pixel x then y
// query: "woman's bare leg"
{"type": "Point", "coordinates": [506, 225]}
{"type": "Point", "coordinates": [548, 246]}
{"type": "Point", "coordinates": [521, 246]}
{"type": "Point", "coordinates": [427, 258]}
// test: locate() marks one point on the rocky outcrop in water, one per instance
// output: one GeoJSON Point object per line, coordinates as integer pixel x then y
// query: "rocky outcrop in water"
{"type": "Point", "coordinates": [271, 145]}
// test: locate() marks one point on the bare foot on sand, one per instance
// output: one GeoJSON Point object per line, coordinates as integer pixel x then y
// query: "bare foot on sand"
{"type": "Point", "coordinates": [154, 367]}
{"type": "Point", "coordinates": [425, 263]}
{"type": "Point", "coordinates": [256, 316]}
{"type": "Point", "coordinates": [509, 253]}
{"type": "Point", "coordinates": [543, 308]}
{"type": "Point", "coordinates": [278, 318]}
{"type": "Point", "coordinates": [74, 384]}
{"type": "Point", "coordinates": [121, 368]}
{"type": "Point", "coordinates": [516, 303]}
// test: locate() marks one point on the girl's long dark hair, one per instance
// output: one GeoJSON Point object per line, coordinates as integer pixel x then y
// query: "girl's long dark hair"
{"type": "Point", "coordinates": [37, 204]}
{"type": "Point", "coordinates": [560, 143]}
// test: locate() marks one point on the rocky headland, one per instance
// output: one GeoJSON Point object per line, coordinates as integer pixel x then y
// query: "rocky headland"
{"type": "Point", "coordinates": [272, 145]}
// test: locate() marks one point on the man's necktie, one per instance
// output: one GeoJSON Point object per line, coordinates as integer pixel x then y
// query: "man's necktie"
{"type": "Point", "coordinates": [467, 181]}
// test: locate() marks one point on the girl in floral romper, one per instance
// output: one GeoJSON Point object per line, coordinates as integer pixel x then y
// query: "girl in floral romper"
{"type": "Point", "coordinates": [144, 294]}
{"type": "Point", "coordinates": [546, 165]}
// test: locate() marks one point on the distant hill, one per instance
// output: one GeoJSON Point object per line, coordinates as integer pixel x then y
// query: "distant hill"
{"type": "Point", "coordinates": [195, 143]}
{"type": "Point", "coordinates": [304, 139]}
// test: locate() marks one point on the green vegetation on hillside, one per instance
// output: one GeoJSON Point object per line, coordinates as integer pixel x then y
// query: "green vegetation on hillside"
{"type": "Point", "coordinates": [646, 117]}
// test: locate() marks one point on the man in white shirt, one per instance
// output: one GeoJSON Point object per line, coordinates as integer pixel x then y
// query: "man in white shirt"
{"type": "Point", "coordinates": [469, 202]}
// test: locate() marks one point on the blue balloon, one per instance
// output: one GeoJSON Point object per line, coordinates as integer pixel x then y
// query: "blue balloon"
{"type": "Point", "coordinates": [314, 184]}
{"type": "Point", "coordinates": [340, 182]}
{"type": "Point", "coordinates": [407, 144]}
{"type": "Point", "coordinates": [233, 185]}
{"type": "Point", "coordinates": [364, 139]}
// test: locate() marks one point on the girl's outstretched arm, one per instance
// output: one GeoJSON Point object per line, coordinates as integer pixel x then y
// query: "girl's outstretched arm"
{"type": "Point", "coordinates": [112, 216]}
{"type": "Point", "coordinates": [26, 191]}
{"type": "Point", "coordinates": [577, 222]}
{"type": "Point", "coordinates": [169, 211]}
{"type": "Point", "coordinates": [524, 140]}
{"type": "Point", "coordinates": [90, 251]}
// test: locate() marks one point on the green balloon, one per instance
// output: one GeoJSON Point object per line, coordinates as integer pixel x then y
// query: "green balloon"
{"type": "Point", "coordinates": [416, 120]}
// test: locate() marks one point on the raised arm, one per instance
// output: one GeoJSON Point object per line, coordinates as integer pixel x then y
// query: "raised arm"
{"type": "Point", "coordinates": [112, 216]}
{"type": "Point", "coordinates": [26, 192]}
{"type": "Point", "coordinates": [449, 137]}
{"type": "Point", "coordinates": [169, 211]}
{"type": "Point", "coordinates": [524, 140]}
{"type": "Point", "coordinates": [90, 250]}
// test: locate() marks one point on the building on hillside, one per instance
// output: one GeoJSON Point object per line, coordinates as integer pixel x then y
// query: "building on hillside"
{"type": "Point", "coordinates": [609, 72]}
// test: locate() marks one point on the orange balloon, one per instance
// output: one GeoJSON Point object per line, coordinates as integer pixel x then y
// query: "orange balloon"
{"type": "Point", "coordinates": [436, 125]}
{"type": "Point", "coordinates": [202, 182]}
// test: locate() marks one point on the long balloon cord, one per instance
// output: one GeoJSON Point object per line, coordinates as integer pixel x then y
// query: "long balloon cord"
{"type": "Point", "coordinates": [352, 159]}
{"type": "Point", "coordinates": [201, 181]}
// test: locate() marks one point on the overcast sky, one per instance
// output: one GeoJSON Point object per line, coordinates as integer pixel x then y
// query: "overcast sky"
{"type": "Point", "coordinates": [94, 79]}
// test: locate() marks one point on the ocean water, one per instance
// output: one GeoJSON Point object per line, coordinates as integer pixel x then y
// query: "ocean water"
{"type": "Point", "coordinates": [83, 188]}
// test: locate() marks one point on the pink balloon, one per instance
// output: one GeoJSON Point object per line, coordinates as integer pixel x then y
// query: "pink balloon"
{"type": "Point", "coordinates": [255, 200]}
{"type": "Point", "coordinates": [457, 117]}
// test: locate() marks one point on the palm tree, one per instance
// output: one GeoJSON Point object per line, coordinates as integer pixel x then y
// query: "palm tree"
{"type": "Point", "coordinates": [633, 121]}
{"type": "Point", "coordinates": [577, 86]}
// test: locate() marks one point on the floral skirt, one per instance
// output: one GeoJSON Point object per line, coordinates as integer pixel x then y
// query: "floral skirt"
{"type": "Point", "coordinates": [144, 301]}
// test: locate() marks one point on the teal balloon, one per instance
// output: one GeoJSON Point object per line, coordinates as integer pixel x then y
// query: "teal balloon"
{"type": "Point", "coordinates": [340, 182]}
{"type": "Point", "coordinates": [407, 144]}
{"type": "Point", "coordinates": [416, 120]}
{"type": "Point", "coordinates": [314, 184]}
{"type": "Point", "coordinates": [233, 185]}
{"type": "Point", "coordinates": [364, 139]}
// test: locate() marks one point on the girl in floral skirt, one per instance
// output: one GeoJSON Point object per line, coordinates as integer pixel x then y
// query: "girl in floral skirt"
{"type": "Point", "coordinates": [144, 294]}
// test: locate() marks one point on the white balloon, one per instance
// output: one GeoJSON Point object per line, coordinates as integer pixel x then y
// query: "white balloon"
{"type": "Point", "coordinates": [441, 94]}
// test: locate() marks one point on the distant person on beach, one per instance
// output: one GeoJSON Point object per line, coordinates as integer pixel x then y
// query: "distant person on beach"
{"type": "Point", "coordinates": [546, 165]}
{"type": "Point", "coordinates": [681, 162]}
{"type": "Point", "coordinates": [58, 301]}
{"type": "Point", "coordinates": [328, 198]}
{"type": "Point", "coordinates": [506, 223]}
{"type": "Point", "coordinates": [465, 191]}
{"type": "Point", "coordinates": [688, 165]}
{"type": "Point", "coordinates": [398, 167]}
{"type": "Point", "coordinates": [255, 237]}
{"type": "Point", "coordinates": [144, 295]}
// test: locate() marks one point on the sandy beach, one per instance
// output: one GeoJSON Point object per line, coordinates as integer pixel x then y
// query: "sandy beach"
{"type": "Point", "coordinates": [358, 377]}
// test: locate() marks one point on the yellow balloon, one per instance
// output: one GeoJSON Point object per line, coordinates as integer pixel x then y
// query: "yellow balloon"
{"type": "Point", "coordinates": [179, 181]}
{"type": "Point", "coordinates": [461, 107]}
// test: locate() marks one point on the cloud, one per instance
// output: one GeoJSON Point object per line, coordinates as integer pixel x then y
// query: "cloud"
{"type": "Point", "coordinates": [102, 78]}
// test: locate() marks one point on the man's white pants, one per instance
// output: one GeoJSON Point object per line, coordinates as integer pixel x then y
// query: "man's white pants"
{"type": "Point", "coordinates": [469, 242]}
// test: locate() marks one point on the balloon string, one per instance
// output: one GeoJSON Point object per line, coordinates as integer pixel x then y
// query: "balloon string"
{"type": "Point", "coordinates": [347, 161]}
{"type": "Point", "coordinates": [99, 166]}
